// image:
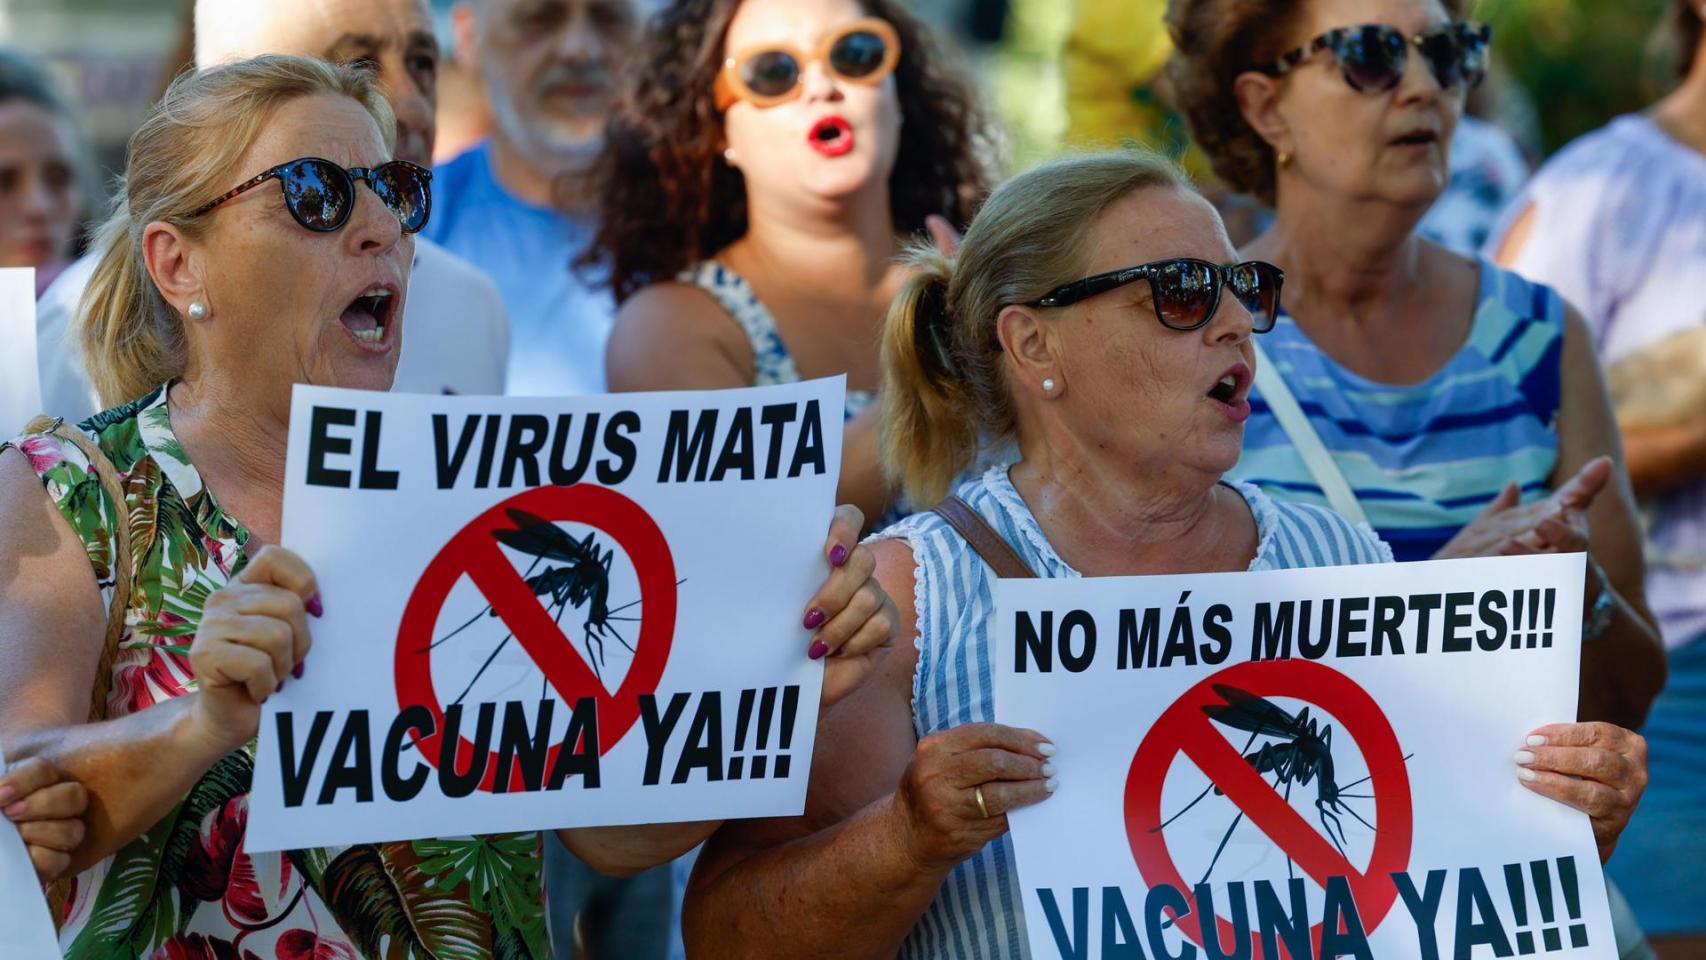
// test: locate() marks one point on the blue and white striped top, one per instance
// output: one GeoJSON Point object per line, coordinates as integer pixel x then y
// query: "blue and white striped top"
{"type": "Point", "coordinates": [978, 913]}
{"type": "Point", "coordinates": [1423, 459]}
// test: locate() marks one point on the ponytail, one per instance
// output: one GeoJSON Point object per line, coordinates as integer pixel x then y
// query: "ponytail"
{"type": "Point", "coordinates": [945, 388]}
{"type": "Point", "coordinates": [927, 432]}
{"type": "Point", "coordinates": [131, 343]}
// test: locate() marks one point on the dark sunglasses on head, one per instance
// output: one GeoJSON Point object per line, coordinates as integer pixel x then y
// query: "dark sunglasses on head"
{"type": "Point", "coordinates": [863, 51]}
{"type": "Point", "coordinates": [1186, 291]}
{"type": "Point", "coordinates": [320, 195]}
{"type": "Point", "coordinates": [1372, 57]}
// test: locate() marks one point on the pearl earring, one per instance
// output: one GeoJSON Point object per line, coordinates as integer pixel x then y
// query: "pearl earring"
{"type": "Point", "coordinates": [1048, 385]}
{"type": "Point", "coordinates": [729, 156]}
{"type": "Point", "coordinates": [198, 310]}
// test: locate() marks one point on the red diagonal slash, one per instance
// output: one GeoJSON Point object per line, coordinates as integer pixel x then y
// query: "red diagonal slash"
{"type": "Point", "coordinates": [1185, 728]}
{"type": "Point", "coordinates": [474, 552]}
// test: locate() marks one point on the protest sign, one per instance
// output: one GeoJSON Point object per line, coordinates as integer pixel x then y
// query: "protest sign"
{"type": "Point", "coordinates": [549, 612]}
{"type": "Point", "coordinates": [1304, 763]}
{"type": "Point", "coordinates": [26, 927]}
{"type": "Point", "coordinates": [20, 378]}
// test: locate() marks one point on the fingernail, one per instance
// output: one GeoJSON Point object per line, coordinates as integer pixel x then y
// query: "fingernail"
{"type": "Point", "coordinates": [16, 810]}
{"type": "Point", "coordinates": [1045, 748]}
{"type": "Point", "coordinates": [838, 556]}
{"type": "Point", "coordinates": [1524, 758]}
{"type": "Point", "coordinates": [1051, 784]}
{"type": "Point", "coordinates": [814, 619]}
{"type": "Point", "coordinates": [299, 669]}
{"type": "Point", "coordinates": [1537, 741]}
{"type": "Point", "coordinates": [280, 687]}
{"type": "Point", "coordinates": [7, 792]}
{"type": "Point", "coordinates": [1048, 769]}
{"type": "Point", "coordinates": [1526, 773]}
{"type": "Point", "coordinates": [818, 649]}
{"type": "Point", "coordinates": [314, 608]}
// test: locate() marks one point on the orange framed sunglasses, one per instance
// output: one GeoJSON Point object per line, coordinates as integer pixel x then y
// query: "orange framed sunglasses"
{"type": "Point", "coordinates": [862, 51]}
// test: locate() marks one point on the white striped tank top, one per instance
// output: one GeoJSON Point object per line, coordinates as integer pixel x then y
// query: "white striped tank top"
{"type": "Point", "coordinates": [977, 915]}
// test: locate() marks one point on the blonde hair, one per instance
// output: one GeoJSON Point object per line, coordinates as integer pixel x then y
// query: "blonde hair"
{"type": "Point", "coordinates": [944, 389]}
{"type": "Point", "coordinates": [186, 153]}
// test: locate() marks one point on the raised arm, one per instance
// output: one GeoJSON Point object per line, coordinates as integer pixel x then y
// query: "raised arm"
{"type": "Point", "coordinates": [52, 625]}
{"type": "Point", "coordinates": [887, 819]}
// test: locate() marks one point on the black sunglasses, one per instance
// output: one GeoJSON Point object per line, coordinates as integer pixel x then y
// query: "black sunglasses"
{"type": "Point", "coordinates": [1372, 57]}
{"type": "Point", "coordinates": [320, 194]}
{"type": "Point", "coordinates": [1186, 291]}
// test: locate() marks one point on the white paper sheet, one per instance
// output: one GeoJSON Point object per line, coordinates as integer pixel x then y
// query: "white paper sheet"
{"type": "Point", "coordinates": [1292, 790]}
{"type": "Point", "coordinates": [26, 927]}
{"type": "Point", "coordinates": [20, 378]}
{"type": "Point", "coordinates": [699, 565]}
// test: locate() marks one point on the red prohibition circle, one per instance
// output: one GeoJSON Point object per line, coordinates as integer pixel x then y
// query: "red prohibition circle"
{"type": "Point", "coordinates": [475, 552]}
{"type": "Point", "coordinates": [1185, 729]}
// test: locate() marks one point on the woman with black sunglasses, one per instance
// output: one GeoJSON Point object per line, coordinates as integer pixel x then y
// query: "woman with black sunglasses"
{"type": "Point", "coordinates": [263, 238]}
{"type": "Point", "coordinates": [1096, 315]}
{"type": "Point", "coordinates": [1457, 407]}
{"type": "Point", "coordinates": [759, 178]}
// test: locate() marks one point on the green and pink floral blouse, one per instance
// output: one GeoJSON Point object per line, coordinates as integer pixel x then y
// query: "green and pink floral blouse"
{"type": "Point", "coordinates": [186, 888]}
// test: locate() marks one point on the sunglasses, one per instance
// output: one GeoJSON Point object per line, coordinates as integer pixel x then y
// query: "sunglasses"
{"type": "Point", "coordinates": [1373, 56]}
{"type": "Point", "coordinates": [1186, 291]}
{"type": "Point", "coordinates": [320, 195]}
{"type": "Point", "coordinates": [863, 51]}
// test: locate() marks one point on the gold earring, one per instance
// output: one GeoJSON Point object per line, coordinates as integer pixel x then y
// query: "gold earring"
{"type": "Point", "coordinates": [1284, 159]}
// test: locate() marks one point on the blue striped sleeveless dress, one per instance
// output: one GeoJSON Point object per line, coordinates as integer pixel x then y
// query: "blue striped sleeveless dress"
{"type": "Point", "coordinates": [978, 913]}
{"type": "Point", "coordinates": [1424, 459]}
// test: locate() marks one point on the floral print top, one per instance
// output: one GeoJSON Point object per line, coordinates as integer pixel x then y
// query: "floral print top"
{"type": "Point", "coordinates": [186, 889]}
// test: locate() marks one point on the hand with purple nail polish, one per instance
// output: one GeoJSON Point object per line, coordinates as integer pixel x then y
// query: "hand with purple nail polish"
{"type": "Point", "coordinates": [851, 618]}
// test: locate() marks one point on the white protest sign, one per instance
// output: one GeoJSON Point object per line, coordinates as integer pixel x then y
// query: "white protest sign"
{"type": "Point", "coordinates": [20, 377]}
{"type": "Point", "coordinates": [550, 612]}
{"type": "Point", "coordinates": [26, 927]}
{"type": "Point", "coordinates": [1320, 760]}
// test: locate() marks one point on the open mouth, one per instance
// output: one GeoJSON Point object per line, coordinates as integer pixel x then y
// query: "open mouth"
{"type": "Point", "coordinates": [1231, 391]}
{"type": "Point", "coordinates": [1420, 138]}
{"type": "Point", "coordinates": [831, 136]}
{"type": "Point", "coordinates": [369, 317]}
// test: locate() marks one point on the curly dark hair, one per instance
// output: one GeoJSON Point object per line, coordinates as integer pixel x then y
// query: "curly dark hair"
{"type": "Point", "coordinates": [1214, 42]}
{"type": "Point", "coordinates": [668, 199]}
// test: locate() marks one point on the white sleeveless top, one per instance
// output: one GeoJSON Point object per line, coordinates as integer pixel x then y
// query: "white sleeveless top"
{"type": "Point", "coordinates": [978, 913]}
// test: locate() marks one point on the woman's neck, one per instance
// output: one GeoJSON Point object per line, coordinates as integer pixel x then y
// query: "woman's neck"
{"type": "Point", "coordinates": [1105, 521]}
{"type": "Point", "coordinates": [1349, 260]}
{"type": "Point", "coordinates": [238, 451]}
{"type": "Point", "coordinates": [840, 252]}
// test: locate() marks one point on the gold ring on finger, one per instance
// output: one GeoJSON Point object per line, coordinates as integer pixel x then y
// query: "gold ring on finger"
{"type": "Point", "coordinates": [977, 793]}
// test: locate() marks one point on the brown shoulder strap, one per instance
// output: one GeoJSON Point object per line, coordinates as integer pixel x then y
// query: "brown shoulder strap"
{"type": "Point", "coordinates": [107, 475]}
{"type": "Point", "coordinates": [989, 545]}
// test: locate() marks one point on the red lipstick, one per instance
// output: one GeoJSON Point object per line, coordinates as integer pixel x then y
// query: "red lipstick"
{"type": "Point", "coordinates": [831, 136]}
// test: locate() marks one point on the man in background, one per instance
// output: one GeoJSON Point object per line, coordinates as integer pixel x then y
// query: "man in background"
{"type": "Point", "coordinates": [520, 205]}
{"type": "Point", "coordinates": [455, 333]}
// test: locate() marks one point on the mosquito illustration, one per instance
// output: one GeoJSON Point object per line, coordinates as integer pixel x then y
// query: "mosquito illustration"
{"type": "Point", "coordinates": [1300, 752]}
{"type": "Point", "coordinates": [583, 581]}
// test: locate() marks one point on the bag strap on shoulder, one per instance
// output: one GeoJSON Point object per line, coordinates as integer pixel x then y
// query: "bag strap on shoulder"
{"type": "Point", "coordinates": [983, 538]}
{"type": "Point", "coordinates": [107, 475]}
{"type": "Point", "coordinates": [1305, 440]}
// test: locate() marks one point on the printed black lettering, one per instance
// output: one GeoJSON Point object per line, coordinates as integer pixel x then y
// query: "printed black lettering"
{"type": "Point", "coordinates": [321, 444]}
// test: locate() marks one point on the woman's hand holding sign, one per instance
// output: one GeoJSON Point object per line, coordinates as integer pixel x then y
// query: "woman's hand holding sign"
{"type": "Point", "coordinates": [1598, 768]}
{"type": "Point", "coordinates": [960, 785]}
{"type": "Point", "coordinates": [48, 808]}
{"type": "Point", "coordinates": [253, 635]}
{"type": "Point", "coordinates": [852, 617]}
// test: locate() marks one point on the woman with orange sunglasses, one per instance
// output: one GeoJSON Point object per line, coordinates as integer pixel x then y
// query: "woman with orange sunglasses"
{"type": "Point", "coordinates": [760, 177]}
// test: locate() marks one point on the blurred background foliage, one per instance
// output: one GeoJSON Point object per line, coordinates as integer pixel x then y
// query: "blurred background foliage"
{"type": "Point", "coordinates": [1581, 61]}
